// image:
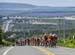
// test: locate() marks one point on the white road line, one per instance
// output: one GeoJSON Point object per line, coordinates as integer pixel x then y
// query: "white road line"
{"type": "Point", "coordinates": [2, 50]}
{"type": "Point", "coordinates": [7, 50]}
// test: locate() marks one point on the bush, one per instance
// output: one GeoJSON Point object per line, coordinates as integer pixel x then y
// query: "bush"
{"type": "Point", "coordinates": [68, 43]}
{"type": "Point", "coordinates": [9, 43]}
{"type": "Point", "coordinates": [6, 43]}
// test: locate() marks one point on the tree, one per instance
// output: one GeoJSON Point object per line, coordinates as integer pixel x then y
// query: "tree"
{"type": "Point", "coordinates": [1, 36]}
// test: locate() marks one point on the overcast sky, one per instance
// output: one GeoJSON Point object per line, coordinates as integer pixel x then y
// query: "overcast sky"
{"type": "Point", "coordinates": [43, 2]}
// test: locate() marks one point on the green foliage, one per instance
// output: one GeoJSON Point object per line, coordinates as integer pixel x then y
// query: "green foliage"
{"type": "Point", "coordinates": [3, 39]}
{"type": "Point", "coordinates": [68, 42]}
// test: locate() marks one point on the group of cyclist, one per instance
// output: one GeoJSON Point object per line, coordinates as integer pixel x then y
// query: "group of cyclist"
{"type": "Point", "coordinates": [43, 40]}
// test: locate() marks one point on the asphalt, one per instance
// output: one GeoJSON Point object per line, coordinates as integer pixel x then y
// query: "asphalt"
{"type": "Point", "coordinates": [25, 50]}
{"type": "Point", "coordinates": [34, 50]}
{"type": "Point", "coordinates": [62, 50]}
{"type": "Point", "coordinates": [3, 49]}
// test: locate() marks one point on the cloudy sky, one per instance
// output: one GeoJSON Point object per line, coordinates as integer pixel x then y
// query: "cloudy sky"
{"type": "Point", "coordinates": [43, 2]}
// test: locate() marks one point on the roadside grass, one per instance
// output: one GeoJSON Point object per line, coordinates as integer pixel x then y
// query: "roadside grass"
{"type": "Point", "coordinates": [0, 46]}
{"type": "Point", "coordinates": [70, 45]}
{"type": "Point", "coordinates": [67, 43]}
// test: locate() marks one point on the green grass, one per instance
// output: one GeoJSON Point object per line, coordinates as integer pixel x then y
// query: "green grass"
{"type": "Point", "coordinates": [67, 43]}
{"type": "Point", "coordinates": [70, 45]}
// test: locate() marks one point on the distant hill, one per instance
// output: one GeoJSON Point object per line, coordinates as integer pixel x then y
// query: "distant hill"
{"type": "Point", "coordinates": [18, 8]}
{"type": "Point", "coordinates": [16, 5]}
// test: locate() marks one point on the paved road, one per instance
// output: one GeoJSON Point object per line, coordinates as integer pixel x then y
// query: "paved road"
{"type": "Point", "coordinates": [29, 50]}
{"type": "Point", "coordinates": [62, 51]}
{"type": "Point", "coordinates": [3, 49]}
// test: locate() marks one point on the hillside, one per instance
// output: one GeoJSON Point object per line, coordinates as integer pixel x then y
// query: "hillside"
{"type": "Point", "coordinates": [18, 8]}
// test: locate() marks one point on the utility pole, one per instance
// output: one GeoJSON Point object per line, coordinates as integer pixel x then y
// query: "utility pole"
{"type": "Point", "coordinates": [73, 38]}
{"type": "Point", "coordinates": [64, 29]}
{"type": "Point", "coordinates": [58, 25]}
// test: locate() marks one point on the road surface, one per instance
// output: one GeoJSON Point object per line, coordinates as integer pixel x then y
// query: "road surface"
{"type": "Point", "coordinates": [35, 50]}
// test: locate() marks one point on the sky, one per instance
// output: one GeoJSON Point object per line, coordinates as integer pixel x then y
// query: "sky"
{"type": "Point", "coordinates": [54, 3]}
